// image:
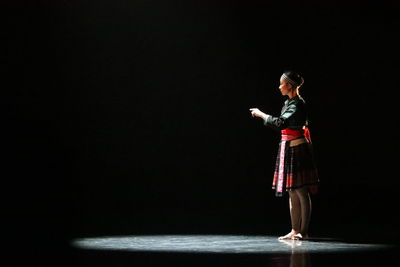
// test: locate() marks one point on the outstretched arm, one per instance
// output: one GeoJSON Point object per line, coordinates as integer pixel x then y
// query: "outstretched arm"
{"type": "Point", "coordinates": [255, 112]}
{"type": "Point", "coordinates": [280, 122]}
{"type": "Point", "coordinates": [275, 122]}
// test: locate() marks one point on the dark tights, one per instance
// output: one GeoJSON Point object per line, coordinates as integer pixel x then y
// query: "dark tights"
{"type": "Point", "coordinates": [300, 210]}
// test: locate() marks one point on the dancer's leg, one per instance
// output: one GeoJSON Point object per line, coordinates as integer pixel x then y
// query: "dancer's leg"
{"type": "Point", "coordinates": [305, 203]}
{"type": "Point", "coordinates": [295, 215]}
{"type": "Point", "coordinates": [295, 211]}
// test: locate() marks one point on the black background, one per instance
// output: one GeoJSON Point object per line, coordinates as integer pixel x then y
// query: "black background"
{"type": "Point", "coordinates": [132, 117]}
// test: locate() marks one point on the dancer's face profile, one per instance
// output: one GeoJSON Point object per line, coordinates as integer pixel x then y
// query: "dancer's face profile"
{"type": "Point", "coordinates": [285, 87]}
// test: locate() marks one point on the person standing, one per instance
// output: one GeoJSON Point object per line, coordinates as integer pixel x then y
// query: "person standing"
{"type": "Point", "coordinates": [295, 169]}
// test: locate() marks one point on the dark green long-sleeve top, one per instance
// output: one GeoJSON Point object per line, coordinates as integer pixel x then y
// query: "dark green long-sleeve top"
{"type": "Point", "coordinates": [293, 115]}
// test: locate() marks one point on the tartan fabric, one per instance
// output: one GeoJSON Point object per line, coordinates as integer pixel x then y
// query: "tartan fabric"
{"type": "Point", "coordinates": [299, 168]}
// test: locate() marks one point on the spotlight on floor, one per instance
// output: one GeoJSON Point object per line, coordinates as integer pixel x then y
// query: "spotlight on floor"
{"type": "Point", "coordinates": [218, 244]}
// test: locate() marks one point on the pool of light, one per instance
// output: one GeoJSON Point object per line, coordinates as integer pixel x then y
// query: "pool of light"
{"type": "Point", "coordinates": [218, 244]}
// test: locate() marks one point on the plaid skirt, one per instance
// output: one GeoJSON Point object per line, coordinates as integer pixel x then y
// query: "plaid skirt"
{"type": "Point", "coordinates": [299, 168]}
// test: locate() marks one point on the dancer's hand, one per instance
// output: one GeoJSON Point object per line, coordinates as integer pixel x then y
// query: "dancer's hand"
{"type": "Point", "coordinates": [255, 112]}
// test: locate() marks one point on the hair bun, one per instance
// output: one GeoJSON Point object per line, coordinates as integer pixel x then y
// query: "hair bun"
{"type": "Point", "coordinates": [294, 78]}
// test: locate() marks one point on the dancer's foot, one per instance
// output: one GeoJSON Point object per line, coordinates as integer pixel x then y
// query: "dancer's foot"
{"type": "Point", "coordinates": [299, 236]}
{"type": "Point", "coordinates": [289, 235]}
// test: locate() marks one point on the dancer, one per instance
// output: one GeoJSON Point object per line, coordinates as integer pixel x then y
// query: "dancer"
{"type": "Point", "coordinates": [295, 170]}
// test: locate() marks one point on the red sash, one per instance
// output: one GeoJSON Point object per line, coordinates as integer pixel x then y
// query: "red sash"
{"type": "Point", "coordinates": [290, 134]}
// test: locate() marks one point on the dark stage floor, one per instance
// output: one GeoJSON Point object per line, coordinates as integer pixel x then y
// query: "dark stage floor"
{"type": "Point", "coordinates": [227, 250]}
